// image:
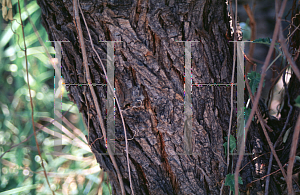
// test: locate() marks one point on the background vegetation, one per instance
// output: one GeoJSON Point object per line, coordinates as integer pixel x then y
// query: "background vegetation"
{"type": "Point", "coordinates": [75, 170]}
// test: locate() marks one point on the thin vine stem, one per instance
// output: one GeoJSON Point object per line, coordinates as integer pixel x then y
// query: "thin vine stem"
{"type": "Point", "coordinates": [117, 100]}
{"type": "Point", "coordinates": [89, 80]}
{"type": "Point", "coordinates": [31, 102]}
{"type": "Point", "coordinates": [257, 97]}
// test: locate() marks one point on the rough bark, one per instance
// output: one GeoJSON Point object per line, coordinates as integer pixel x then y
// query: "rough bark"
{"type": "Point", "coordinates": [149, 66]}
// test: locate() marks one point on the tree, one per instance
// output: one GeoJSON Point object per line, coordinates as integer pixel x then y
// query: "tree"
{"type": "Point", "coordinates": [149, 86]}
{"type": "Point", "coordinates": [149, 83]}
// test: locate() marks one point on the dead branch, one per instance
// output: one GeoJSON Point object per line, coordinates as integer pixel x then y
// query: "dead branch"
{"type": "Point", "coordinates": [256, 100]}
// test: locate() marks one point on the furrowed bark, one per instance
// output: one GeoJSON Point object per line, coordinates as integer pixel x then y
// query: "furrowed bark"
{"type": "Point", "coordinates": [149, 83]}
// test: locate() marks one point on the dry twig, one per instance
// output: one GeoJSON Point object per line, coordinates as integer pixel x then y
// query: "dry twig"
{"type": "Point", "coordinates": [261, 120]}
{"type": "Point", "coordinates": [281, 134]}
{"type": "Point", "coordinates": [288, 55]}
{"type": "Point", "coordinates": [81, 40]}
{"type": "Point", "coordinates": [292, 156]}
{"type": "Point", "coordinates": [89, 80]}
{"type": "Point", "coordinates": [256, 100]}
{"type": "Point", "coordinates": [232, 81]}
{"type": "Point", "coordinates": [118, 103]}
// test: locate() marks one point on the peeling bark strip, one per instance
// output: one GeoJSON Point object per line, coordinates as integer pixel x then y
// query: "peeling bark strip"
{"type": "Point", "coordinates": [149, 82]}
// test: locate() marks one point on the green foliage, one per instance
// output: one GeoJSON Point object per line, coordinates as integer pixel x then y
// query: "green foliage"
{"type": "Point", "coordinates": [232, 144]}
{"type": "Point", "coordinates": [254, 78]}
{"type": "Point", "coordinates": [297, 101]}
{"type": "Point", "coordinates": [75, 170]}
{"type": "Point", "coordinates": [247, 114]}
{"type": "Point", "coordinates": [229, 181]}
{"type": "Point", "coordinates": [264, 41]}
{"type": "Point", "coordinates": [18, 190]}
{"type": "Point", "coordinates": [246, 30]}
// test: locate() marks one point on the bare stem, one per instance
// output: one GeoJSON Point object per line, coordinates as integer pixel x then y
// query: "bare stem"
{"type": "Point", "coordinates": [117, 100]}
{"type": "Point", "coordinates": [281, 133]}
{"type": "Point", "coordinates": [89, 80]}
{"type": "Point", "coordinates": [256, 100]}
{"type": "Point", "coordinates": [31, 103]}
{"type": "Point", "coordinates": [232, 81]}
{"type": "Point", "coordinates": [261, 120]}
{"type": "Point", "coordinates": [292, 157]}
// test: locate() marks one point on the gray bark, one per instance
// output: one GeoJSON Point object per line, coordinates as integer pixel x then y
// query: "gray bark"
{"type": "Point", "coordinates": [149, 66]}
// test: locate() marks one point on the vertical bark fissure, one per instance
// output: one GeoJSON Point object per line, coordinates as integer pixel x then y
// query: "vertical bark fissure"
{"type": "Point", "coordinates": [163, 155]}
{"type": "Point", "coordinates": [167, 166]}
{"type": "Point", "coordinates": [149, 67]}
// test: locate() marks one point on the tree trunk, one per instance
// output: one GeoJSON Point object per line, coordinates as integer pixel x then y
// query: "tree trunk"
{"type": "Point", "coordinates": [149, 83]}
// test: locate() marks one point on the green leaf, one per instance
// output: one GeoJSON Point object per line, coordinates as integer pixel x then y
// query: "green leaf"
{"type": "Point", "coordinates": [20, 189]}
{"type": "Point", "coordinates": [105, 189]}
{"type": "Point", "coordinates": [20, 156]}
{"type": "Point", "coordinates": [232, 144]}
{"type": "Point", "coordinates": [263, 40]}
{"type": "Point", "coordinates": [247, 114]}
{"type": "Point", "coordinates": [229, 181]}
{"type": "Point", "coordinates": [254, 78]}
{"type": "Point", "coordinates": [6, 36]}
{"type": "Point", "coordinates": [297, 101]}
{"type": "Point", "coordinates": [246, 31]}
